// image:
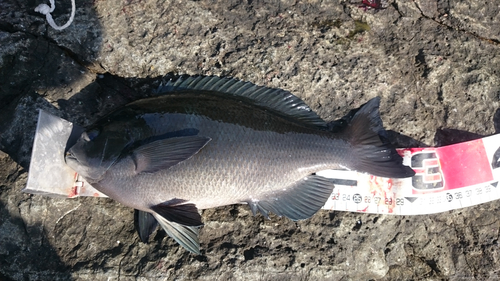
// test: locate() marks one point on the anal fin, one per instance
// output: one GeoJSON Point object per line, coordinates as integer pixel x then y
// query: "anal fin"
{"type": "Point", "coordinates": [297, 202]}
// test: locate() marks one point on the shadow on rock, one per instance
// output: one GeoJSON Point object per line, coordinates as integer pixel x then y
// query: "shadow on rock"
{"type": "Point", "coordinates": [105, 94]}
{"type": "Point", "coordinates": [496, 121]}
{"type": "Point", "coordinates": [37, 62]}
{"type": "Point", "coordinates": [451, 136]}
{"type": "Point", "coordinates": [38, 66]}
{"type": "Point", "coordinates": [402, 141]}
{"type": "Point", "coordinates": [25, 252]}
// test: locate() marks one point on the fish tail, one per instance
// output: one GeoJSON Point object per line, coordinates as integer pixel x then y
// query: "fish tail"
{"type": "Point", "coordinates": [373, 153]}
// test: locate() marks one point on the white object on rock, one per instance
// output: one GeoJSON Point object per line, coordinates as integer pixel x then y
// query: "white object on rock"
{"type": "Point", "coordinates": [46, 10]}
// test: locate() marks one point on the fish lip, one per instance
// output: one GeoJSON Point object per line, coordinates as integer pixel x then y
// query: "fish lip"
{"type": "Point", "coordinates": [69, 156]}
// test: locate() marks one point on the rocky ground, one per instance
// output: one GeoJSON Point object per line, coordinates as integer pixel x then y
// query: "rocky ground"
{"type": "Point", "coordinates": [435, 64]}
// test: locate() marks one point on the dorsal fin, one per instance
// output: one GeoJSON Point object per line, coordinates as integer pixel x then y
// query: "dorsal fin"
{"type": "Point", "coordinates": [277, 100]}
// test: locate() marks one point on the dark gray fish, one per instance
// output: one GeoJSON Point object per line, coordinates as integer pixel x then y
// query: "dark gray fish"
{"type": "Point", "coordinates": [208, 141]}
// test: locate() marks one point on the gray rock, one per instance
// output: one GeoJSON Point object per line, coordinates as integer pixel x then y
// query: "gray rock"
{"type": "Point", "coordinates": [434, 63]}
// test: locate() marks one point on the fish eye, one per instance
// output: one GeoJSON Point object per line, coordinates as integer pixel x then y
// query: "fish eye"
{"type": "Point", "coordinates": [90, 135]}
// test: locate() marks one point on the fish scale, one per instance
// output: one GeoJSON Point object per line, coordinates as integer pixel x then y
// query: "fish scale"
{"type": "Point", "coordinates": [200, 177]}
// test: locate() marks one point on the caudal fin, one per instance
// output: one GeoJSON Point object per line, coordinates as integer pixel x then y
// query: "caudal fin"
{"type": "Point", "coordinates": [373, 153]}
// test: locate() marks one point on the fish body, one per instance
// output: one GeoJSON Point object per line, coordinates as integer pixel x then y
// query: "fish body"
{"type": "Point", "coordinates": [207, 142]}
{"type": "Point", "coordinates": [250, 153]}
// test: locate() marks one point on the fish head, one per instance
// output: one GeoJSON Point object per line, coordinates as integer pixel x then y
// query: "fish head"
{"type": "Point", "coordinates": [96, 151]}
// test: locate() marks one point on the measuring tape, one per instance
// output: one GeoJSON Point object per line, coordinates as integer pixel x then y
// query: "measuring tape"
{"type": "Point", "coordinates": [447, 178]}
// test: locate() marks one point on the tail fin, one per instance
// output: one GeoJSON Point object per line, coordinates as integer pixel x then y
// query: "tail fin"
{"type": "Point", "coordinates": [373, 153]}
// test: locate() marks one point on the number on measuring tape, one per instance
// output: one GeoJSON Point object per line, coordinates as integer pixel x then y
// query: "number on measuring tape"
{"type": "Point", "coordinates": [428, 174]}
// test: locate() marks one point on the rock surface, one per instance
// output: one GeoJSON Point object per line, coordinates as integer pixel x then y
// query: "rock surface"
{"type": "Point", "coordinates": [434, 63]}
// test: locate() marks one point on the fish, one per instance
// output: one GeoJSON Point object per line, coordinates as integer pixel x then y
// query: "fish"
{"type": "Point", "coordinates": [205, 141]}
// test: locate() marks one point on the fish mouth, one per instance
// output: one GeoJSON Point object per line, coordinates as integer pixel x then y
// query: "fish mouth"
{"type": "Point", "coordinates": [70, 157]}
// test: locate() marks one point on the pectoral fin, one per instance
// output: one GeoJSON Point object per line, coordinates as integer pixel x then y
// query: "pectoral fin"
{"type": "Point", "coordinates": [145, 224]}
{"type": "Point", "coordinates": [297, 202]}
{"type": "Point", "coordinates": [165, 153]}
{"type": "Point", "coordinates": [186, 236]}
